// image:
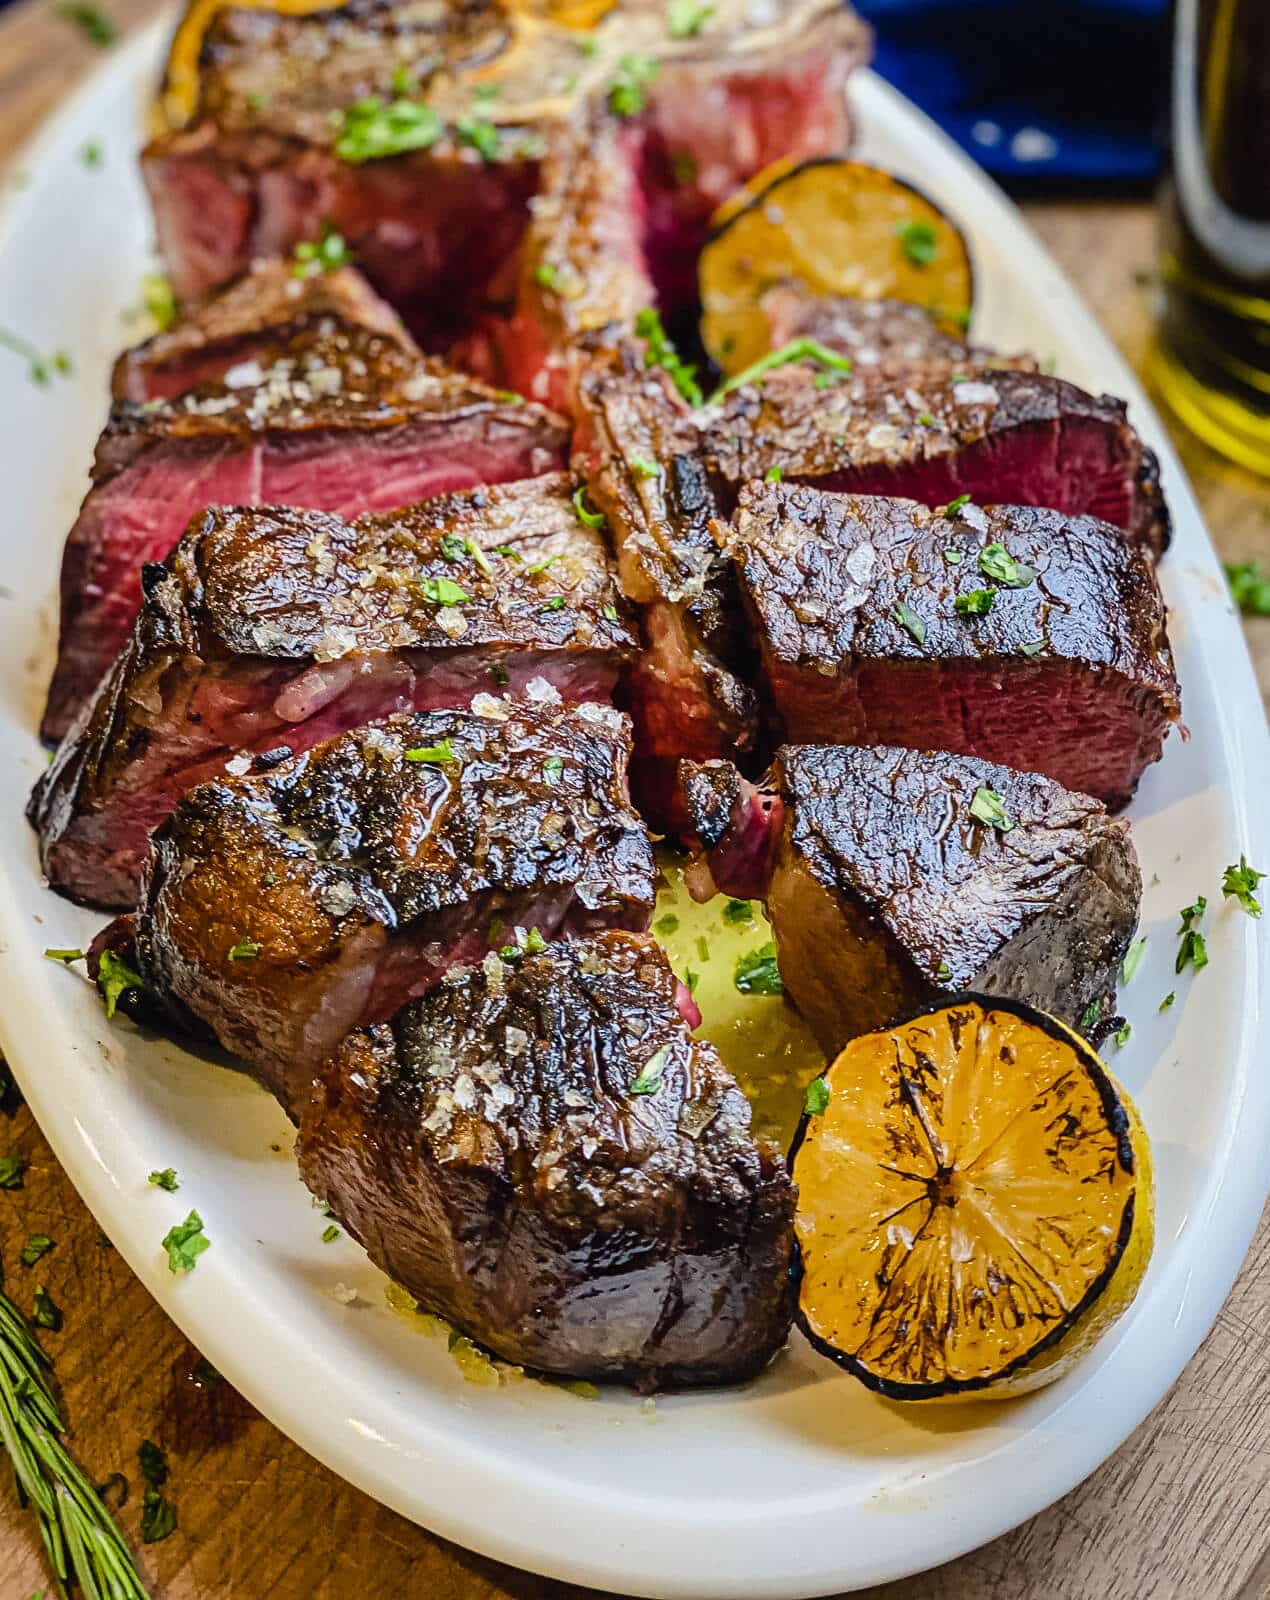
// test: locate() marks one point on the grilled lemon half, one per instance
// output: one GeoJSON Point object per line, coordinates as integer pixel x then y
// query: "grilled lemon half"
{"type": "Point", "coordinates": [832, 227]}
{"type": "Point", "coordinates": [975, 1203]}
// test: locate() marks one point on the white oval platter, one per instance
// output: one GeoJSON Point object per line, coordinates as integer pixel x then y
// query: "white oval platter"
{"type": "Point", "coordinates": [802, 1483]}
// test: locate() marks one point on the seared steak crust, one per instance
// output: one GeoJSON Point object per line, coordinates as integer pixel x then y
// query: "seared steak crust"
{"type": "Point", "coordinates": [279, 626]}
{"type": "Point", "coordinates": [492, 1149]}
{"type": "Point", "coordinates": [1005, 437]}
{"type": "Point", "coordinates": [250, 320]}
{"type": "Point", "coordinates": [321, 891]}
{"type": "Point", "coordinates": [853, 600]}
{"type": "Point", "coordinates": [342, 420]}
{"type": "Point", "coordinates": [887, 895]}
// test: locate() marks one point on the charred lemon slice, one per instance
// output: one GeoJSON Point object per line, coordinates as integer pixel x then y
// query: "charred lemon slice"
{"type": "Point", "coordinates": [975, 1203]}
{"type": "Point", "coordinates": [833, 228]}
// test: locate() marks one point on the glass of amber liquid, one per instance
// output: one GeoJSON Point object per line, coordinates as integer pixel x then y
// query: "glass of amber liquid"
{"type": "Point", "coordinates": [1212, 356]}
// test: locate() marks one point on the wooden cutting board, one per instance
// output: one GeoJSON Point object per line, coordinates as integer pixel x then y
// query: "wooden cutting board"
{"type": "Point", "coordinates": [1182, 1512]}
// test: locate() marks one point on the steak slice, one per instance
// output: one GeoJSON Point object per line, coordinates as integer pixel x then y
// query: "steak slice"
{"type": "Point", "coordinates": [543, 1154]}
{"type": "Point", "coordinates": [274, 626]}
{"type": "Point", "coordinates": [345, 422]}
{"type": "Point", "coordinates": [888, 896]}
{"type": "Point", "coordinates": [319, 893]}
{"type": "Point", "coordinates": [248, 321]}
{"type": "Point", "coordinates": [637, 446]}
{"type": "Point", "coordinates": [256, 156]}
{"type": "Point", "coordinates": [854, 604]}
{"type": "Point", "coordinates": [1003, 437]}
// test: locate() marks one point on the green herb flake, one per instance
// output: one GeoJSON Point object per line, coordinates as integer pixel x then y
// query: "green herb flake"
{"type": "Point", "coordinates": [996, 562]}
{"type": "Point", "coordinates": [443, 591]}
{"type": "Point", "coordinates": [534, 942]}
{"type": "Point", "coordinates": [91, 154]}
{"type": "Point", "coordinates": [165, 1178]}
{"type": "Point", "coordinates": [330, 1234]}
{"type": "Point", "coordinates": [244, 950]}
{"type": "Point", "coordinates": [977, 603]}
{"type": "Point", "coordinates": [908, 618]}
{"type": "Point", "coordinates": [648, 1079]}
{"type": "Point", "coordinates": [628, 92]}
{"type": "Point", "coordinates": [609, 613]}
{"type": "Point", "coordinates": [158, 1517]}
{"type": "Point", "coordinates": [545, 275]}
{"type": "Point", "coordinates": [1049, 366]}
{"type": "Point", "coordinates": [667, 925]}
{"type": "Point", "coordinates": [1249, 587]}
{"type": "Point", "coordinates": [552, 769]}
{"type": "Point", "coordinates": [114, 978]}
{"type": "Point", "coordinates": [327, 253]}
{"type": "Point", "coordinates": [954, 558]}
{"type": "Point", "coordinates": [944, 973]}
{"type": "Point", "coordinates": [44, 1313]}
{"type": "Point", "coordinates": [703, 948]}
{"type": "Point", "coordinates": [541, 566]}
{"type": "Point", "coordinates": [816, 1102]}
{"type": "Point", "coordinates": [1121, 1035]}
{"type": "Point", "coordinates": [64, 957]}
{"type": "Point", "coordinates": [37, 1245]}
{"type": "Point", "coordinates": [11, 1171]}
{"type": "Point", "coordinates": [801, 349]}
{"type": "Point", "coordinates": [1032, 647]}
{"type": "Point", "coordinates": [39, 368]}
{"type": "Point", "coordinates": [158, 299]}
{"type": "Point", "coordinates": [153, 1464]}
{"type": "Point", "coordinates": [774, 474]}
{"type": "Point", "coordinates": [185, 1242]}
{"type": "Point", "coordinates": [433, 755]}
{"type": "Point", "coordinates": [1192, 949]}
{"type": "Point", "coordinates": [371, 130]}
{"type": "Point", "coordinates": [556, 603]}
{"type": "Point", "coordinates": [587, 517]}
{"type": "Point", "coordinates": [94, 23]}
{"type": "Point", "coordinates": [735, 912]}
{"type": "Point", "coordinates": [660, 351]}
{"type": "Point", "coordinates": [644, 467]}
{"type": "Point", "coordinates": [1168, 1000]}
{"type": "Point", "coordinates": [954, 506]}
{"type": "Point", "coordinates": [686, 18]}
{"type": "Point", "coordinates": [988, 807]}
{"type": "Point", "coordinates": [1240, 883]}
{"type": "Point", "coordinates": [479, 135]}
{"type": "Point", "coordinates": [1133, 959]}
{"type": "Point", "coordinates": [925, 420]}
{"type": "Point", "coordinates": [757, 972]}
{"type": "Point", "coordinates": [692, 979]}
{"type": "Point", "coordinates": [918, 241]}
{"type": "Point", "coordinates": [1090, 1014]}
{"type": "Point", "coordinates": [453, 548]}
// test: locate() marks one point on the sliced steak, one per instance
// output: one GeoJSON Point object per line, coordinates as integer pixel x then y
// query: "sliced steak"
{"type": "Point", "coordinates": [273, 626]}
{"type": "Point", "coordinates": [256, 156]}
{"type": "Point", "coordinates": [543, 1154]}
{"type": "Point", "coordinates": [1003, 437]}
{"type": "Point", "coordinates": [888, 895]}
{"type": "Point", "coordinates": [248, 321]}
{"type": "Point", "coordinates": [853, 600]}
{"type": "Point", "coordinates": [637, 447]}
{"type": "Point", "coordinates": [343, 422]}
{"type": "Point", "coordinates": [320, 892]}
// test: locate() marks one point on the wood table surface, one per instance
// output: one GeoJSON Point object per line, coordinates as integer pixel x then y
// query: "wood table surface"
{"type": "Point", "coordinates": [1181, 1512]}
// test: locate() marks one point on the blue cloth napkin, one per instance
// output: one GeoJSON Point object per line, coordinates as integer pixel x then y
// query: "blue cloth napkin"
{"type": "Point", "coordinates": [1049, 90]}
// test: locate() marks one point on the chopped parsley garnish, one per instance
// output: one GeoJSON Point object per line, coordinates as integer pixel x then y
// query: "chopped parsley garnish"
{"type": "Point", "coordinates": [165, 1178]}
{"type": "Point", "coordinates": [1032, 647]}
{"type": "Point", "coordinates": [403, 80]}
{"type": "Point", "coordinates": [1249, 587]}
{"type": "Point", "coordinates": [65, 957]}
{"type": "Point", "coordinates": [667, 924]}
{"type": "Point", "coordinates": [801, 349]}
{"type": "Point", "coordinates": [925, 420]}
{"type": "Point", "coordinates": [434, 755]}
{"type": "Point", "coordinates": [997, 563]}
{"type": "Point", "coordinates": [816, 1101]}
{"type": "Point", "coordinates": [954, 506]}
{"type": "Point", "coordinates": [648, 1079]}
{"type": "Point", "coordinates": [556, 603]}
{"type": "Point", "coordinates": [547, 561]}
{"type": "Point", "coordinates": [479, 135]}
{"type": "Point", "coordinates": [1133, 959]}
{"type": "Point", "coordinates": [703, 948]}
{"type": "Point", "coordinates": [684, 18]}
{"type": "Point", "coordinates": [37, 1245]}
{"type": "Point", "coordinates": [1121, 1035]}
{"type": "Point", "coordinates": [988, 807]}
{"type": "Point", "coordinates": [443, 591]}
{"type": "Point", "coordinates": [918, 241]}
{"type": "Point", "coordinates": [92, 22]}
{"type": "Point", "coordinates": [158, 299]}
{"type": "Point", "coordinates": [372, 130]}
{"type": "Point", "coordinates": [945, 972]}
{"type": "Point", "coordinates": [91, 154]}
{"type": "Point", "coordinates": [330, 1234]}
{"type": "Point", "coordinates": [661, 352]}
{"type": "Point", "coordinates": [114, 978]}
{"type": "Point", "coordinates": [645, 467]}
{"type": "Point", "coordinates": [1167, 1001]}
{"type": "Point", "coordinates": [908, 618]}
{"type": "Point", "coordinates": [737, 912]}
{"type": "Point", "coordinates": [1192, 949]}
{"type": "Point", "coordinates": [1240, 883]}
{"type": "Point", "coordinates": [954, 558]}
{"type": "Point", "coordinates": [244, 950]}
{"type": "Point", "coordinates": [692, 979]}
{"type": "Point", "coordinates": [453, 548]}
{"type": "Point", "coordinates": [757, 972]}
{"type": "Point", "coordinates": [1090, 1014]}
{"type": "Point", "coordinates": [589, 518]}
{"type": "Point", "coordinates": [40, 368]}
{"type": "Point", "coordinates": [11, 1170]}
{"type": "Point", "coordinates": [774, 474]}
{"type": "Point", "coordinates": [609, 612]}
{"type": "Point", "coordinates": [826, 379]}
{"type": "Point", "coordinates": [977, 603]}
{"type": "Point", "coordinates": [552, 769]}
{"type": "Point", "coordinates": [158, 1517]}
{"type": "Point", "coordinates": [628, 93]}
{"type": "Point", "coordinates": [500, 675]}
{"type": "Point", "coordinates": [545, 275]}
{"type": "Point", "coordinates": [153, 1463]}
{"type": "Point", "coordinates": [185, 1242]}
{"type": "Point", "coordinates": [44, 1314]}
{"type": "Point", "coordinates": [326, 254]}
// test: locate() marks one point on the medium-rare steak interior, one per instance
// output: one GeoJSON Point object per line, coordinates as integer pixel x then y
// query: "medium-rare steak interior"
{"type": "Point", "coordinates": [319, 892]}
{"type": "Point", "coordinates": [897, 878]}
{"type": "Point", "coordinates": [1024, 636]}
{"type": "Point", "coordinates": [543, 1153]}
{"type": "Point", "coordinates": [343, 421]}
{"type": "Point", "coordinates": [275, 626]}
{"type": "Point", "coordinates": [1005, 437]}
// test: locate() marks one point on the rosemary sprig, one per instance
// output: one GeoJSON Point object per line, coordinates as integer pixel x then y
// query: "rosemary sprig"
{"type": "Point", "coordinates": [84, 1546]}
